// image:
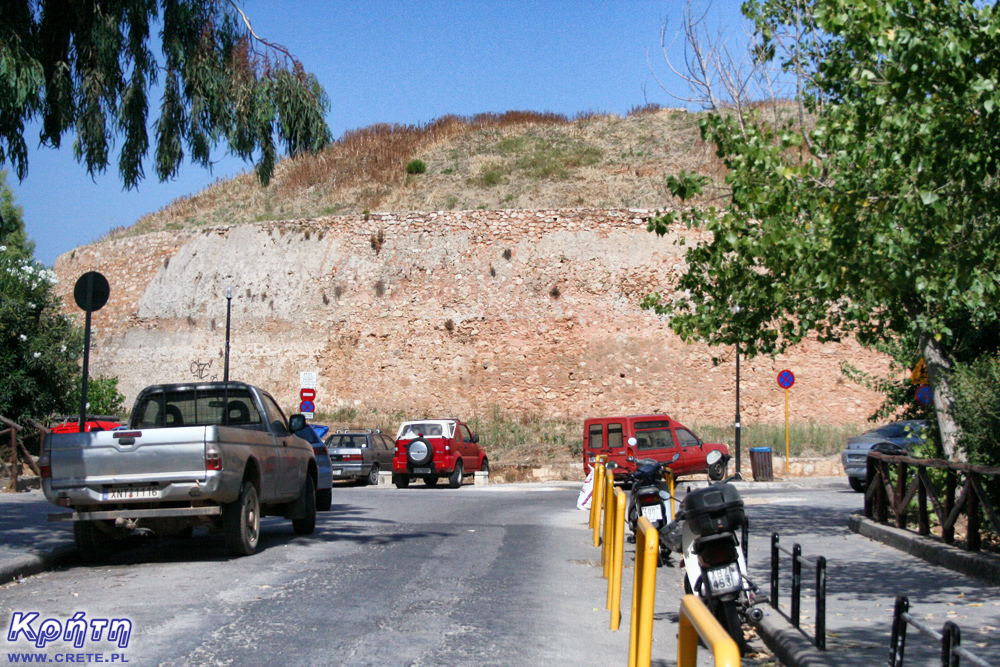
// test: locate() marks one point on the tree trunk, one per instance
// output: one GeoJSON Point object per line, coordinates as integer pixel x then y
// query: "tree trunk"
{"type": "Point", "coordinates": [939, 369]}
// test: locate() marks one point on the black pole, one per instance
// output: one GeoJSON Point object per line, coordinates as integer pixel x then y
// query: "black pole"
{"type": "Point", "coordinates": [86, 368]}
{"type": "Point", "coordinates": [738, 474]}
{"type": "Point", "coordinates": [229, 304]}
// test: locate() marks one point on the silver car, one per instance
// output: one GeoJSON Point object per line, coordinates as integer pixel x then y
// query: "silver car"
{"type": "Point", "coordinates": [902, 435]}
{"type": "Point", "coordinates": [360, 454]}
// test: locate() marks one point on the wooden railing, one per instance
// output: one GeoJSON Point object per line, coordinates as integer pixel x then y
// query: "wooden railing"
{"type": "Point", "coordinates": [963, 479]}
{"type": "Point", "coordinates": [17, 436]}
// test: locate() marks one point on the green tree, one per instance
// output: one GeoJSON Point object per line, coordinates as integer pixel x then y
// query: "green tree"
{"type": "Point", "coordinates": [103, 397]}
{"type": "Point", "coordinates": [39, 347]}
{"type": "Point", "coordinates": [879, 221]}
{"type": "Point", "coordinates": [87, 66]}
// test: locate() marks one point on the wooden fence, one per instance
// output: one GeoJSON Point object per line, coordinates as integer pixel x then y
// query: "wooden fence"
{"type": "Point", "coordinates": [963, 494]}
{"type": "Point", "coordinates": [18, 452]}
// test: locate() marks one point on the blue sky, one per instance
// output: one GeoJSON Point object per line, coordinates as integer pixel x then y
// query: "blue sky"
{"type": "Point", "coordinates": [398, 62]}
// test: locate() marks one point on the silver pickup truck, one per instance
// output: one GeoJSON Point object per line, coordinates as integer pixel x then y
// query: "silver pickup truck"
{"type": "Point", "coordinates": [219, 454]}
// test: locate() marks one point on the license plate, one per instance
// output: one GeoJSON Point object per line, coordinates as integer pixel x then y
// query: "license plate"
{"type": "Point", "coordinates": [857, 458]}
{"type": "Point", "coordinates": [653, 512]}
{"type": "Point", "coordinates": [422, 471]}
{"type": "Point", "coordinates": [337, 471]}
{"type": "Point", "coordinates": [724, 579]}
{"type": "Point", "coordinates": [132, 493]}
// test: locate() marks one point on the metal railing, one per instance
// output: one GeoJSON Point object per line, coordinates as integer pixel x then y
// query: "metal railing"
{"type": "Point", "coordinates": [950, 638]}
{"type": "Point", "coordinates": [881, 495]}
{"type": "Point", "coordinates": [798, 560]}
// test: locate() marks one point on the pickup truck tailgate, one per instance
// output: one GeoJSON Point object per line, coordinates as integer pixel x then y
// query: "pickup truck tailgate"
{"type": "Point", "coordinates": [126, 457]}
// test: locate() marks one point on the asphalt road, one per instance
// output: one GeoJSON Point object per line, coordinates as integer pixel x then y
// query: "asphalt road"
{"type": "Point", "coordinates": [498, 575]}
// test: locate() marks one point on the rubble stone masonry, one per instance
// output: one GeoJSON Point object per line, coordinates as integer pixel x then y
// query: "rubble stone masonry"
{"type": "Point", "coordinates": [446, 313]}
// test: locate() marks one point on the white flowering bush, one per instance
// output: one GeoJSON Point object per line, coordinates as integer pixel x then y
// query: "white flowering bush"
{"type": "Point", "coordinates": [39, 347]}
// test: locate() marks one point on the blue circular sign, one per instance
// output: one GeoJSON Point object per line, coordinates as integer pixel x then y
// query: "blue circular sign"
{"type": "Point", "coordinates": [925, 394]}
{"type": "Point", "coordinates": [307, 406]}
{"type": "Point", "coordinates": [786, 379]}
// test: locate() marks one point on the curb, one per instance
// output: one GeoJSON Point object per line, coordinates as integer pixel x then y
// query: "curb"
{"type": "Point", "coordinates": [788, 643]}
{"type": "Point", "coordinates": [25, 566]}
{"type": "Point", "coordinates": [973, 564]}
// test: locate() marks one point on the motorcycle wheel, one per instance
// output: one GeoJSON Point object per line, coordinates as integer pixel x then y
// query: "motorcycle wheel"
{"type": "Point", "coordinates": [729, 618]}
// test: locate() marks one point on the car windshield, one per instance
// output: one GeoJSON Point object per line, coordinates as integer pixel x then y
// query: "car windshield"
{"type": "Point", "coordinates": [429, 429]}
{"type": "Point", "coordinates": [896, 430]}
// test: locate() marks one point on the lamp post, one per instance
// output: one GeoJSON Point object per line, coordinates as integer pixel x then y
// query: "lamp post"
{"type": "Point", "coordinates": [229, 308]}
{"type": "Point", "coordinates": [738, 475]}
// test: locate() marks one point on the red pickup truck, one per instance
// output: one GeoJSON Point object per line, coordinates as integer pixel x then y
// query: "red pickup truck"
{"type": "Point", "coordinates": [656, 437]}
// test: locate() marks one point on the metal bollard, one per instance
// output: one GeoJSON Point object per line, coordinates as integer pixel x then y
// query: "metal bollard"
{"type": "Point", "coordinates": [617, 554]}
{"type": "Point", "coordinates": [694, 621]}
{"type": "Point", "coordinates": [595, 503]}
{"type": "Point", "coordinates": [647, 549]}
{"type": "Point", "coordinates": [796, 583]}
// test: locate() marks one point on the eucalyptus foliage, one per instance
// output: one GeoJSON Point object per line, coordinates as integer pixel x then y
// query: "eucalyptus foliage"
{"type": "Point", "coordinates": [883, 219]}
{"type": "Point", "coordinates": [39, 346]}
{"type": "Point", "coordinates": [88, 67]}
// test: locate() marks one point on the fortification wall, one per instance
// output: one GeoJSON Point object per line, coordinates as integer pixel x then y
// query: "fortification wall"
{"type": "Point", "coordinates": [446, 313]}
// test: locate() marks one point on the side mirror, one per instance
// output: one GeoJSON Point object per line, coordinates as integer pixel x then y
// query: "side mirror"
{"type": "Point", "coordinates": [713, 457]}
{"type": "Point", "coordinates": [676, 456]}
{"type": "Point", "coordinates": [610, 465]}
{"type": "Point", "coordinates": [475, 439]}
{"type": "Point", "coordinates": [296, 423]}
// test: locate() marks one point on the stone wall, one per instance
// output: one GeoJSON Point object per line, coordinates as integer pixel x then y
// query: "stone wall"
{"type": "Point", "coordinates": [443, 313]}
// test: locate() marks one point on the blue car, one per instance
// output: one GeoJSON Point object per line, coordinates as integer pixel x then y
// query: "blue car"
{"type": "Point", "coordinates": [900, 436]}
{"type": "Point", "coordinates": [313, 434]}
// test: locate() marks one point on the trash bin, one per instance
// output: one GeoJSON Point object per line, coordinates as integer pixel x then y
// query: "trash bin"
{"type": "Point", "coordinates": [760, 464]}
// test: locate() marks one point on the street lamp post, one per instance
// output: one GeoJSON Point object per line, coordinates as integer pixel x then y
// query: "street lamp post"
{"type": "Point", "coordinates": [738, 474]}
{"type": "Point", "coordinates": [229, 308]}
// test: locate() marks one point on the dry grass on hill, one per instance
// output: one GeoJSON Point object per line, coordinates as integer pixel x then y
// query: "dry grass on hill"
{"type": "Point", "coordinates": [515, 160]}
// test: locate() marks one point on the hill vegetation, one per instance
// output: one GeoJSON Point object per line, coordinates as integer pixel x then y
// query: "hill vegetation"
{"type": "Point", "coordinates": [514, 160]}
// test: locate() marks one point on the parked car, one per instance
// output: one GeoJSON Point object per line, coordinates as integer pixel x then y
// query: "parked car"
{"type": "Point", "coordinates": [901, 435]}
{"type": "Point", "coordinates": [313, 434]}
{"type": "Point", "coordinates": [360, 454]}
{"type": "Point", "coordinates": [431, 448]}
{"type": "Point", "coordinates": [657, 437]}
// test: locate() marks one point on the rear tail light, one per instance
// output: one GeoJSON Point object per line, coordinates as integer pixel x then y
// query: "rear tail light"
{"type": "Point", "coordinates": [353, 457]}
{"type": "Point", "coordinates": [320, 451]}
{"type": "Point", "coordinates": [649, 498]}
{"type": "Point", "coordinates": [44, 462]}
{"type": "Point", "coordinates": [213, 458]}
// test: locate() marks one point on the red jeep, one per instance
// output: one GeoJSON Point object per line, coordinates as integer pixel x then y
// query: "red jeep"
{"type": "Point", "coordinates": [656, 437]}
{"type": "Point", "coordinates": [433, 448]}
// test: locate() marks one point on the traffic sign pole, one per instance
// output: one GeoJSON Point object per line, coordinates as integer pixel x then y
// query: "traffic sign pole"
{"type": "Point", "coordinates": [786, 379]}
{"type": "Point", "coordinates": [786, 433]}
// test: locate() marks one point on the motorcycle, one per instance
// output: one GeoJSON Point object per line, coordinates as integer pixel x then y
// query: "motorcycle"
{"type": "Point", "coordinates": [650, 497]}
{"type": "Point", "coordinates": [705, 533]}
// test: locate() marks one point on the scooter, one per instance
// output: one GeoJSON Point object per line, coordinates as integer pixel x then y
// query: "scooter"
{"type": "Point", "coordinates": [650, 497]}
{"type": "Point", "coordinates": [706, 533]}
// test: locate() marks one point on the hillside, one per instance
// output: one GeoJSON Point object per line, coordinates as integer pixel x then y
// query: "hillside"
{"type": "Point", "coordinates": [501, 285]}
{"type": "Point", "coordinates": [517, 160]}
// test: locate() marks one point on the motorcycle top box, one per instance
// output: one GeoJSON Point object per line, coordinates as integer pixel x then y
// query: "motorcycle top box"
{"type": "Point", "coordinates": [714, 509]}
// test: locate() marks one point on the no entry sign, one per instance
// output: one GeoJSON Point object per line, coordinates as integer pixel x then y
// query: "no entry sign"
{"type": "Point", "coordinates": [307, 394]}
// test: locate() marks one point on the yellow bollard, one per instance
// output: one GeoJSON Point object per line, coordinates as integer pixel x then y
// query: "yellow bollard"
{"type": "Point", "coordinates": [609, 489]}
{"type": "Point", "coordinates": [697, 621]}
{"type": "Point", "coordinates": [669, 476]}
{"type": "Point", "coordinates": [617, 553]}
{"type": "Point", "coordinates": [647, 548]}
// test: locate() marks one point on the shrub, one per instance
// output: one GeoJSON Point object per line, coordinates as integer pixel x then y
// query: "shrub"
{"type": "Point", "coordinates": [416, 167]}
{"type": "Point", "coordinates": [977, 409]}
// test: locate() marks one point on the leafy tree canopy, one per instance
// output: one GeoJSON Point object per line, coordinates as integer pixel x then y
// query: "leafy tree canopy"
{"type": "Point", "coordinates": [882, 220]}
{"type": "Point", "coordinates": [39, 347]}
{"type": "Point", "coordinates": [87, 66]}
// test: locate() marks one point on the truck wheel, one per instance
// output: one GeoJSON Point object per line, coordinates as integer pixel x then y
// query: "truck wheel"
{"type": "Point", "coordinates": [307, 524]}
{"type": "Point", "coordinates": [324, 499]}
{"type": "Point", "coordinates": [431, 480]}
{"type": "Point", "coordinates": [373, 475]}
{"type": "Point", "coordinates": [241, 522]}
{"type": "Point", "coordinates": [485, 467]}
{"type": "Point", "coordinates": [401, 481]}
{"type": "Point", "coordinates": [857, 484]}
{"type": "Point", "coordinates": [455, 478]}
{"type": "Point", "coordinates": [94, 544]}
